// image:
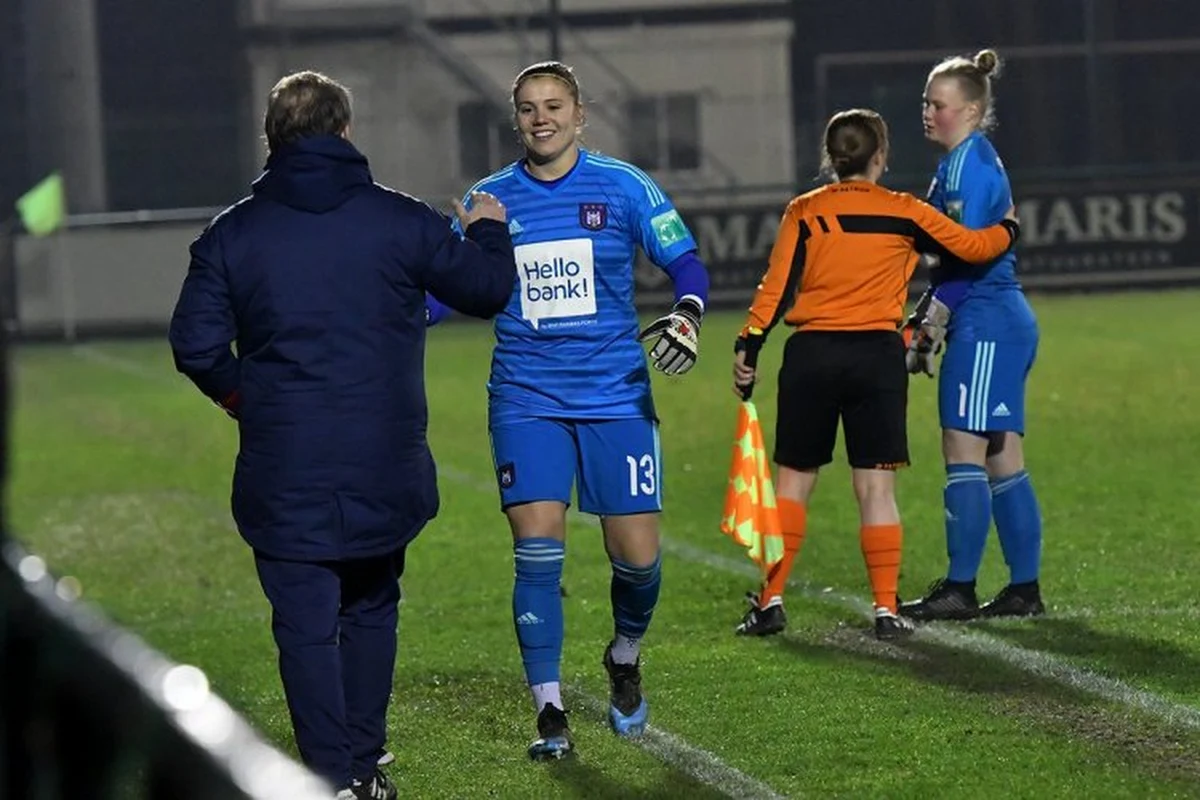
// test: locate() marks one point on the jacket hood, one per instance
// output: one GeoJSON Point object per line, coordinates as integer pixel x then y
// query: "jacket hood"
{"type": "Point", "coordinates": [314, 174]}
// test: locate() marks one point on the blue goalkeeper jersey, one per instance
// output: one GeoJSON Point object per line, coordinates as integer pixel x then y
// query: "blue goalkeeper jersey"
{"type": "Point", "coordinates": [566, 345]}
{"type": "Point", "coordinates": [971, 187]}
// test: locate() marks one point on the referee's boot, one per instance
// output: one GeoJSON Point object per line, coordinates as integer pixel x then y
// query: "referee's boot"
{"type": "Point", "coordinates": [946, 600]}
{"type": "Point", "coordinates": [889, 626]}
{"type": "Point", "coordinates": [761, 621]}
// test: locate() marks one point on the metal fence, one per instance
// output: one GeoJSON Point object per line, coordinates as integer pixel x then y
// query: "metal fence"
{"type": "Point", "coordinates": [119, 274]}
{"type": "Point", "coordinates": [1068, 111]}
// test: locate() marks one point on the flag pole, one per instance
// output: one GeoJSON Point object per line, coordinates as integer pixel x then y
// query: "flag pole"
{"type": "Point", "coordinates": [9, 308]}
{"type": "Point", "coordinates": [66, 282]}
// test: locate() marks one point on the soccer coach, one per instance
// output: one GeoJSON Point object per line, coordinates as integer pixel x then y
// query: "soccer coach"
{"type": "Point", "coordinates": [319, 279]}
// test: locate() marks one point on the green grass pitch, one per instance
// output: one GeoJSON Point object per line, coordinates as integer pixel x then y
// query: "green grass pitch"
{"type": "Point", "coordinates": [121, 478]}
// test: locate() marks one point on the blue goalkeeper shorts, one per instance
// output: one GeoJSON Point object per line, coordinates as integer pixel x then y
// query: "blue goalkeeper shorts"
{"type": "Point", "coordinates": [614, 464]}
{"type": "Point", "coordinates": [981, 385]}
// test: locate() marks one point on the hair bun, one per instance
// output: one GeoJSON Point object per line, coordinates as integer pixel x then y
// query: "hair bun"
{"type": "Point", "coordinates": [987, 61]}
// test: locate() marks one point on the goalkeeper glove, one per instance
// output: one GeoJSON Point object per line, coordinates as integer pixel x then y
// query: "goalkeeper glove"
{"type": "Point", "coordinates": [677, 343]}
{"type": "Point", "coordinates": [928, 336]}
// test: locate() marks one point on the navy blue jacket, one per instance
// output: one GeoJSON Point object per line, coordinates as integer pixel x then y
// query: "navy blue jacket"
{"type": "Point", "coordinates": [319, 277]}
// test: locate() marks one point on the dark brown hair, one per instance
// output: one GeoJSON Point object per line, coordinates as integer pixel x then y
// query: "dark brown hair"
{"type": "Point", "coordinates": [305, 104]}
{"type": "Point", "coordinates": [975, 76]}
{"type": "Point", "coordinates": [852, 138]}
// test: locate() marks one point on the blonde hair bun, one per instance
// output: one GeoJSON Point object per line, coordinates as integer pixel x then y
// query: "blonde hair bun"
{"type": "Point", "coordinates": [988, 62]}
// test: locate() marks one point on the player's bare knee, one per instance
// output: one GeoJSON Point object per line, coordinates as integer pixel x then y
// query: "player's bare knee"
{"type": "Point", "coordinates": [1005, 455]}
{"type": "Point", "coordinates": [538, 519]}
{"type": "Point", "coordinates": [631, 538]}
{"type": "Point", "coordinates": [964, 447]}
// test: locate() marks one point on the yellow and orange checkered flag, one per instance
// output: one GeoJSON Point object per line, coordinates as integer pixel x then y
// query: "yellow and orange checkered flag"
{"type": "Point", "coordinates": [751, 515]}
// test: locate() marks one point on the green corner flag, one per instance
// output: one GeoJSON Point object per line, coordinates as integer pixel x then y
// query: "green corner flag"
{"type": "Point", "coordinates": [44, 207]}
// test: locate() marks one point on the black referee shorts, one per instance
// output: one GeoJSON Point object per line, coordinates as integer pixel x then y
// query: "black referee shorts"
{"type": "Point", "coordinates": [855, 376]}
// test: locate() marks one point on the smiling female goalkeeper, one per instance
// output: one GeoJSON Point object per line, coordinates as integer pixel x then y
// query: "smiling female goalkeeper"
{"type": "Point", "coordinates": [569, 392]}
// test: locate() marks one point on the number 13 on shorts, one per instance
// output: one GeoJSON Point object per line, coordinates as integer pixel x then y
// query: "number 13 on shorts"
{"type": "Point", "coordinates": [643, 475]}
{"type": "Point", "coordinates": [620, 467]}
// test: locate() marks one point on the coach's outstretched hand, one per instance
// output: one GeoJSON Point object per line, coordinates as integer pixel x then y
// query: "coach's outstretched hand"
{"type": "Point", "coordinates": [483, 206]}
{"type": "Point", "coordinates": [677, 344]}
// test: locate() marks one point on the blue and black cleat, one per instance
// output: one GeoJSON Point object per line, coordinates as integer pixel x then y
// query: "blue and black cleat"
{"type": "Point", "coordinates": [946, 600]}
{"type": "Point", "coordinates": [1015, 600]}
{"type": "Point", "coordinates": [627, 709]}
{"type": "Point", "coordinates": [554, 735]}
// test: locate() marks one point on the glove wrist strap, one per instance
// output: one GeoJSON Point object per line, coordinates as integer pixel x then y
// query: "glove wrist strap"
{"type": "Point", "coordinates": [689, 307]}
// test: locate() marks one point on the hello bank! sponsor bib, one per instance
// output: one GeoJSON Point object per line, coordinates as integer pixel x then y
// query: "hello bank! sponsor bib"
{"type": "Point", "coordinates": [558, 282]}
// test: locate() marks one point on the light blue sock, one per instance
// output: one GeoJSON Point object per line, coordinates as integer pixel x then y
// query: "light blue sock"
{"type": "Point", "coordinates": [537, 607]}
{"type": "Point", "coordinates": [1019, 524]}
{"type": "Point", "coordinates": [634, 595]}
{"type": "Point", "coordinates": [968, 501]}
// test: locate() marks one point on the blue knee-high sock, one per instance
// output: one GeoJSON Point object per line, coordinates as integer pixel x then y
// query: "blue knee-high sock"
{"type": "Point", "coordinates": [968, 502]}
{"type": "Point", "coordinates": [537, 607]}
{"type": "Point", "coordinates": [634, 594]}
{"type": "Point", "coordinates": [1019, 524]}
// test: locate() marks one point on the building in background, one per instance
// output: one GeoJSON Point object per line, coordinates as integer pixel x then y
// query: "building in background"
{"type": "Point", "coordinates": [158, 105]}
{"type": "Point", "coordinates": [696, 93]}
{"type": "Point", "coordinates": [141, 105]}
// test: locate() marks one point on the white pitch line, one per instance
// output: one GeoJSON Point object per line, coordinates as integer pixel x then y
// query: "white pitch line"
{"type": "Point", "coordinates": [126, 366]}
{"type": "Point", "coordinates": [1127, 611]}
{"type": "Point", "coordinates": [1035, 662]}
{"type": "Point", "coordinates": [693, 761]}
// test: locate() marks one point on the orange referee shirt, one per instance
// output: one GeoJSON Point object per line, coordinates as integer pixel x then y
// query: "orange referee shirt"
{"type": "Point", "coordinates": [845, 253]}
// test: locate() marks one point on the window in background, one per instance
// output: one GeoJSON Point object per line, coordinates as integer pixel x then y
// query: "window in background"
{"type": "Point", "coordinates": [485, 141]}
{"type": "Point", "coordinates": [664, 131]}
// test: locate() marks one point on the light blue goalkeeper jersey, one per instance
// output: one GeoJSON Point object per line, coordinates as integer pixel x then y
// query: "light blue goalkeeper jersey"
{"type": "Point", "coordinates": [972, 188]}
{"type": "Point", "coordinates": [566, 345]}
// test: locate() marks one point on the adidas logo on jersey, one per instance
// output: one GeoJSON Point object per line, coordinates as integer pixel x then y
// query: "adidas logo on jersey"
{"type": "Point", "coordinates": [528, 618]}
{"type": "Point", "coordinates": [514, 227]}
{"type": "Point", "coordinates": [1001, 411]}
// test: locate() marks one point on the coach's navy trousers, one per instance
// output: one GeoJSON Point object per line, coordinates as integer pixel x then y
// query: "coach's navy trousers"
{"type": "Point", "coordinates": [335, 625]}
